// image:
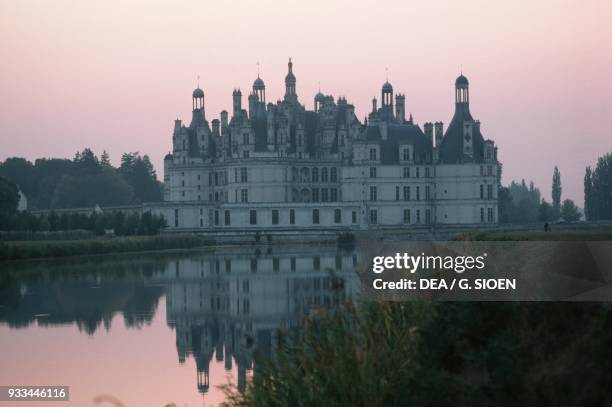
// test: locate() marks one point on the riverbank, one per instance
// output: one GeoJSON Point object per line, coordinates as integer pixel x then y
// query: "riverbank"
{"type": "Point", "coordinates": [18, 250]}
{"type": "Point", "coordinates": [539, 236]}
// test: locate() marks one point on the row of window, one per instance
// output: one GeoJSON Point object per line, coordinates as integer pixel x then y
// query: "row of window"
{"type": "Point", "coordinates": [406, 195]}
{"type": "Point", "coordinates": [314, 174]}
{"type": "Point", "coordinates": [315, 216]}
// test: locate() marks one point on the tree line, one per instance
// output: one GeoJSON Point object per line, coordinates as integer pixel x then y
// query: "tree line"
{"type": "Point", "coordinates": [84, 181]}
{"type": "Point", "coordinates": [519, 203]}
{"type": "Point", "coordinates": [598, 189]}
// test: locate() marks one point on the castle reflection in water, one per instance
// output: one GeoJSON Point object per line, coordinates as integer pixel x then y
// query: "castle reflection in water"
{"type": "Point", "coordinates": [231, 304]}
{"type": "Point", "coordinates": [228, 303]}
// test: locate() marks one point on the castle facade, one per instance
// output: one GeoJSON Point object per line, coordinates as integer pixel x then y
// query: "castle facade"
{"type": "Point", "coordinates": [279, 166]}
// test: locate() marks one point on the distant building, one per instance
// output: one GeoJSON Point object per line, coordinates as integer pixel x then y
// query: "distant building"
{"type": "Point", "coordinates": [22, 205]}
{"type": "Point", "coordinates": [281, 166]}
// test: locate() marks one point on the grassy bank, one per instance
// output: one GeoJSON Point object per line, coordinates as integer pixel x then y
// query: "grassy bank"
{"type": "Point", "coordinates": [441, 354]}
{"type": "Point", "coordinates": [561, 235]}
{"type": "Point", "coordinates": [102, 245]}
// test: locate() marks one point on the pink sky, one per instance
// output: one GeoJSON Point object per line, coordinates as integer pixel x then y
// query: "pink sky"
{"type": "Point", "coordinates": [114, 76]}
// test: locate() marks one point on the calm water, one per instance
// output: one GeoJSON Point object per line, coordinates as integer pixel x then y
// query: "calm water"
{"type": "Point", "coordinates": [159, 328]}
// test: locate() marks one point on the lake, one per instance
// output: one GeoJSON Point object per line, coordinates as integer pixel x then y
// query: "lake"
{"type": "Point", "coordinates": [155, 328]}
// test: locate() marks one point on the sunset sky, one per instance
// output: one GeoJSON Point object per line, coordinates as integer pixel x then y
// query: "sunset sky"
{"type": "Point", "coordinates": [114, 75]}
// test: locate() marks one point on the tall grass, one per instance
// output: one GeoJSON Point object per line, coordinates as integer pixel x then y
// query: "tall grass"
{"type": "Point", "coordinates": [62, 248]}
{"type": "Point", "coordinates": [443, 354]}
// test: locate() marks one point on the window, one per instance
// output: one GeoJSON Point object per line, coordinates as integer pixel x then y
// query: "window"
{"type": "Point", "coordinates": [489, 170]}
{"type": "Point", "coordinates": [245, 138]}
{"type": "Point", "coordinates": [216, 218]}
{"type": "Point", "coordinates": [324, 195]}
{"type": "Point", "coordinates": [210, 178]}
{"type": "Point", "coordinates": [315, 195]}
{"type": "Point", "coordinates": [292, 216]}
{"type": "Point", "coordinates": [373, 216]}
{"type": "Point", "coordinates": [406, 193]}
{"type": "Point", "coordinates": [201, 222]}
{"type": "Point", "coordinates": [245, 154]}
{"type": "Point", "coordinates": [315, 175]}
{"type": "Point", "coordinates": [428, 216]}
{"type": "Point", "coordinates": [276, 264]}
{"type": "Point", "coordinates": [373, 194]}
{"type": "Point", "coordinates": [406, 172]}
{"type": "Point", "coordinates": [293, 263]}
{"type": "Point", "coordinates": [406, 153]}
{"type": "Point", "coordinates": [481, 191]}
{"type": "Point", "coordinates": [481, 215]}
{"type": "Point", "coordinates": [182, 193]}
{"type": "Point", "coordinates": [253, 265]}
{"type": "Point", "coordinates": [489, 191]}
{"type": "Point", "coordinates": [227, 217]}
{"type": "Point", "coordinates": [418, 216]}
{"type": "Point", "coordinates": [333, 194]}
{"type": "Point", "coordinates": [372, 172]}
{"type": "Point", "coordinates": [323, 174]}
{"type": "Point", "coordinates": [228, 266]}
{"type": "Point", "coordinates": [316, 262]}
{"type": "Point", "coordinates": [407, 216]}
{"type": "Point", "coordinates": [253, 217]}
{"type": "Point", "coordinates": [337, 216]}
{"type": "Point", "coordinates": [427, 195]}
{"type": "Point", "coordinates": [338, 263]}
{"type": "Point", "coordinates": [244, 195]}
{"type": "Point", "coordinates": [418, 193]}
{"type": "Point", "coordinates": [372, 154]}
{"type": "Point", "coordinates": [397, 193]}
{"type": "Point", "coordinates": [235, 174]}
{"type": "Point", "coordinates": [243, 175]}
{"type": "Point", "coordinates": [275, 216]}
{"type": "Point", "coordinates": [490, 215]}
{"type": "Point", "coordinates": [426, 172]}
{"type": "Point", "coordinates": [482, 172]}
{"type": "Point", "coordinates": [333, 174]}
{"type": "Point", "coordinates": [182, 183]}
{"type": "Point", "coordinates": [315, 216]}
{"type": "Point", "coordinates": [418, 172]}
{"type": "Point", "coordinates": [354, 216]}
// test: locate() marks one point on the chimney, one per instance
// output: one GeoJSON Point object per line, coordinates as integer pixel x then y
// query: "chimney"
{"type": "Point", "coordinates": [439, 133]}
{"type": "Point", "coordinates": [215, 127]}
{"type": "Point", "coordinates": [428, 131]}
{"type": "Point", "coordinates": [177, 126]}
{"type": "Point", "coordinates": [374, 105]}
{"type": "Point", "coordinates": [400, 108]}
{"type": "Point", "coordinates": [223, 121]}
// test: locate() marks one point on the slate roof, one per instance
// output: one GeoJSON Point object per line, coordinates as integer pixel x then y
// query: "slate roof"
{"type": "Point", "coordinates": [398, 134]}
{"type": "Point", "coordinates": [451, 149]}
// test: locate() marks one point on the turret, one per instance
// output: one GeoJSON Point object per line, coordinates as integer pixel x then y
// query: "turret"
{"type": "Point", "coordinates": [290, 81]}
{"type": "Point", "coordinates": [215, 128]}
{"type": "Point", "coordinates": [462, 94]}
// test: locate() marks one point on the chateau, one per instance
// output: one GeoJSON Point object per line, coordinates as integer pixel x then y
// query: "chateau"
{"type": "Point", "coordinates": [281, 167]}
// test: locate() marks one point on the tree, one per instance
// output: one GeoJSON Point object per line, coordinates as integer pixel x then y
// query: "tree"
{"type": "Point", "coordinates": [545, 212]}
{"type": "Point", "coordinates": [105, 159]}
{"type": "Point", "coordinates": [140, 174]}
{"type": "Point", "coordinates": [598, 189]}
{"type": "Point", "coordinates": [556, 193]}
{"type": "Point", "coordinates": [588, 193]}
{"type": "Point", "coordinates": [569, 211]}
{"type": "Point", "coordinates": [9, 200]}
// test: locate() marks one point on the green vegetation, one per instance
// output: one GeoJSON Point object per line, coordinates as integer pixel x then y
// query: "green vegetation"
{"type": "Point", "coordinates": [519, 203]}
{"type": "Point", "coordinates": [84, 181]}
{"type": "Point", "coordinates": [61, 248]}
{"type": "Point", "coordinates": [440, 354]}
{"type": "Point", "coordinates": [598, 190]}
{"type": "Point", "coordinates": [561, 235]}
